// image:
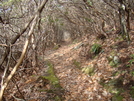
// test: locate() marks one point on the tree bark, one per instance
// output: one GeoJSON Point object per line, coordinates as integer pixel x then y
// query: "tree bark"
{"type": "Point", "coordinates": [124, 23]}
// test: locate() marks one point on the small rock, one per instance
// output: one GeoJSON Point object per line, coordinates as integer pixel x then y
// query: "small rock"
{"type": "Point", "coordinates": [116, 59]}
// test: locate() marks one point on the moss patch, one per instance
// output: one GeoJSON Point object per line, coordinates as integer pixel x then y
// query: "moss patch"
{"type": "Point", "coordinates": [89, 70]}
{"type": "Point", "coordinates": [51, 75]}
{"type": "Point", "coordinates": [55, 90]}
{"type": "Point", "coordinates": [77, 64]}
{"type": "Point", "coordinates": [117, 98]}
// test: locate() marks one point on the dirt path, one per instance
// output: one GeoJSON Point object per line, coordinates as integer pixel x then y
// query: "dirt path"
{"type": "Point", "coordinates": [80, 86]}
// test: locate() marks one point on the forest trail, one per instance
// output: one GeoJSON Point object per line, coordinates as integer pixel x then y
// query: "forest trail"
{"type": "Point", "coordinates": [68, 62]}
{"type": "Point", "coordinates": [68, 65]}
{"type": "Point", "coordinates": [67, 50]}
{"type": "Point", "coordinates": [78, 85]}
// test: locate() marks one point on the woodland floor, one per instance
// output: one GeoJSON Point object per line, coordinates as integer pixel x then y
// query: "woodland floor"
{"type": "Point", "coordinates": [108, 83]}
{"type": "Point", "coordinates": [68, 61]}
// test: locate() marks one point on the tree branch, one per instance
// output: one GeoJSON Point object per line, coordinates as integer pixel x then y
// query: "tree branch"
{"type": "Point", "coordinates": [24, 49]}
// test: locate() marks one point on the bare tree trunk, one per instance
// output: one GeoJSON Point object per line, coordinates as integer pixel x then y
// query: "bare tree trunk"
{"type": "Point", "coordinates": [124, 23]}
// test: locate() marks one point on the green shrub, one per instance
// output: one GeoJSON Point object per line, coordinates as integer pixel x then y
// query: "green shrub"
{"type": "Point", "coordinates": [96, 48]}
